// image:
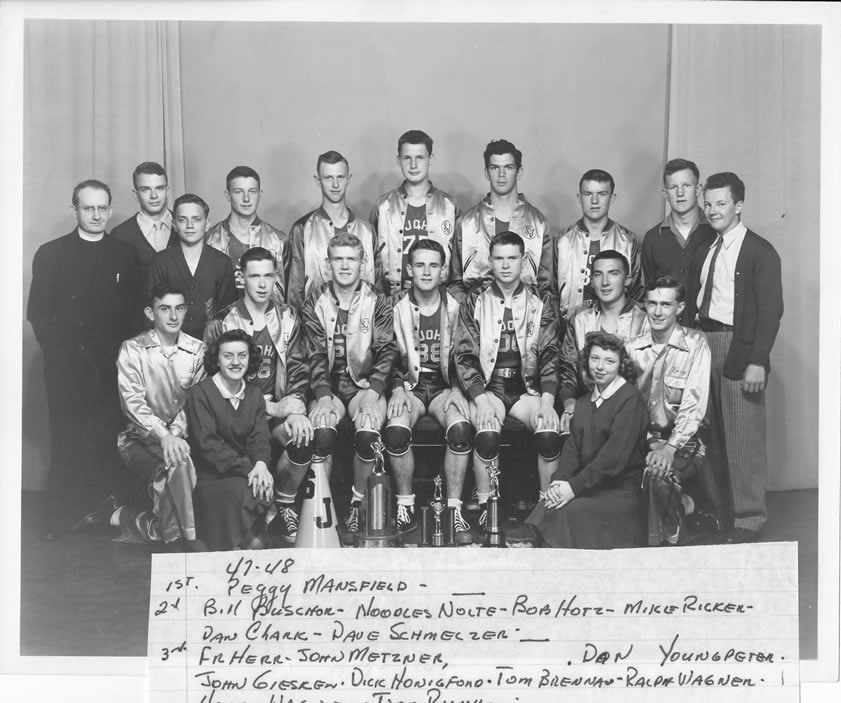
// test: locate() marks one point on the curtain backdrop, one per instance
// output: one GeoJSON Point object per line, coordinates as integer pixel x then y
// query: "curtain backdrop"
{"type": "Point", "coordinates": [747, 99]}
{"type": "Point", "coordinates": [99, 98]}
{"type": "Point", "coordinates": [203, 97]}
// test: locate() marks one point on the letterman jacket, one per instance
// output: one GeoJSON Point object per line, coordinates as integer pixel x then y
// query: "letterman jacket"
{"type": "Point", "coordinates": [632, 322]}
{"type": "Point", "coordinates": [387, 218]}
{"type": "Point", "coordinates": [570, 257]}
{"type": "Point", "coordinates": [260, 234]}
{"type": "Point", "coordinates": [307, 267]}
{"type": "Point", "coordinates": [406, 326]}
{"type": "Point", "coordinates": [283, 323]}
{"type": "Point", "coordinates": [371, 349]}
{"type": "Point", "coordinates": [470, 261]}
{"type": "Point", "coordinates": [477, 334]}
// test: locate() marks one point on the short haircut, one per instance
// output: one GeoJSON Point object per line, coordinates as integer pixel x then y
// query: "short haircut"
{"type": "Point", "coordinates": [500, 147]}
{"type": "Point", "coordinates": [189, 198]}
{"type": "Point", "coordinates": [611, 342]}
{"type": "Point", "coordinates": [726, 179]}
{"type": "Point", "coordinates": [507, 237]}
{"type": "Point", "coordinates": [345, 239]}
{"type": "Point", "coordinates": [241, 172]}
{"type": "Point", "coordinates": [597, 175]}
{"type": "Point", "coordinates": [211, 356]}
{"type": "Point", "coordinates": [415, 136]}
{"type": "Point", "coordinates": [90, 183]}
{"type": "Point", "coordinates": [612, 254]}
{"type": "Point", "coordinates": [427, 244]}
{"type": "Point", "coordinates": [160, 290]}
{"type": "Point", "coordinates": [256, 254]}
{"type": "Point", "coordinates": [148, 168]}
{"type": "Point", "coordinates": [676, 165]}
{"type": "Point", "coordinates": [330, 157]}
{"type": "Point", "coordinates": [668, 282]}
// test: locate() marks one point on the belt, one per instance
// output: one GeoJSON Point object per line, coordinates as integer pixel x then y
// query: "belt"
{"type": "Point", "coordinates": [708, 325]}
{"type": "Point", "coordinates": [506, 372]}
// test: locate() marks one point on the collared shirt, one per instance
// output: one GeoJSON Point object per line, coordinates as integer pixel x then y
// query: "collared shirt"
{"type": "Point", "coordinates": [235, 398]}
{"type": "Point", "coordinates": [598, 397]}
{"type": "Point", "coordinates": [156, 231]}
{"type": "Point", "coordinates": [675, 382]}
{"type": "Point", "coordinates": [723, 297]}
{"type": "Point", "coordinates": [154, 381]}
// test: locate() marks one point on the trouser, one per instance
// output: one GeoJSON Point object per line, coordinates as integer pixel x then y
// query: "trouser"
{"type": "Point", "coordinates": [737, 443]}
{"type": "Point", "coordinates": [171, 489]}
{"type": "Point", "coordinates": [84, 413]}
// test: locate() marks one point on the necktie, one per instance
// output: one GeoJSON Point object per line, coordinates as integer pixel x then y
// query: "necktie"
{"type": "Point", "coordinates": [704, 311]}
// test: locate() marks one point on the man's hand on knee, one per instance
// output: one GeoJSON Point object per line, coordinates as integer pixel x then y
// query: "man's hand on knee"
{"type": "Point", "coordinates": [175, 449]}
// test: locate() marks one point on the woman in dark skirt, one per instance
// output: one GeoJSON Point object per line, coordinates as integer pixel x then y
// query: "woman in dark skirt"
{"type": "Point", "coordinates": [594, 500]}
{"type": "Point", "coordinates": [229, 441]}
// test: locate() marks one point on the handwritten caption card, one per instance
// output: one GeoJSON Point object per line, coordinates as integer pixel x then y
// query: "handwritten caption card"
{"type": "Point", "coordinates": [475, 625]}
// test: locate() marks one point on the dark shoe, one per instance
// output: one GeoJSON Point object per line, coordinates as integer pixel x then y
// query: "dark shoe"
{"type": "Point", "coordinates": [406, 518]}
{"type": "Point", "coordinates": [462, 535]}
{"type": "Point", "coordinates": [100, 516]}
{"type": "Point", "coordinates": [286, 523]}
{"type": "Point", "coordinates": [739, 535]}
{"type": "Point", "coordinates": [483, 516]}
{"type": "Point", "coordinates": [351, 525]}
{"type": "Point", "coordinates": [703, 521]}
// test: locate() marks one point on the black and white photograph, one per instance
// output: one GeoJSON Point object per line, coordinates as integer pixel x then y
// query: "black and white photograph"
{"type": "Point", "coordinates": [354, 275]}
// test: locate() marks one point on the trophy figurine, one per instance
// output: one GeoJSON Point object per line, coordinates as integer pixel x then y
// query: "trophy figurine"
{"type": "Point", "coordinates": [437, 505]}
{"type": "Point", "coordinates": [494, 536]}
{"type": "Point", "coordinates": [379, 530]}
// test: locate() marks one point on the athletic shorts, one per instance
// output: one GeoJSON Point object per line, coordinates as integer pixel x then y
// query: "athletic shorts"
{"type": "Point", "coordinates": [429, 387]}
{"type": "Point", "coordinates": [508, 390]}
{"type": "Point", "coordinates": [343, 387]}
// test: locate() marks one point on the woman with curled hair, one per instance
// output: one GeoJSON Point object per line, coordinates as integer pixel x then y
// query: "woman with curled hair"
{"type": "Point", "coordinates": [229, 442]}
{"type": "Point", "coordinates": [594, 500]}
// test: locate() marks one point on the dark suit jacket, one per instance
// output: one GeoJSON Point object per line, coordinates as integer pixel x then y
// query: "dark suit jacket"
{"type": "Point", "coordinates": [129, 232]}
{"type": "Point", "coordinates": [758, 306]}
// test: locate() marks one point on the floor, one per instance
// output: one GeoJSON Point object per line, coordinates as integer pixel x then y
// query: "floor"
{"type": "Point", "coordinates": [87, 596]}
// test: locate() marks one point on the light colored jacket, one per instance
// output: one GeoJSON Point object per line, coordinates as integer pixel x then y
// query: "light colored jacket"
{"type": "Point", "coordinates": [571, 251]}
{"type": "Point", "coordinates": [387, 218]}
{"type": "Point", "coordinates": [406, 326]}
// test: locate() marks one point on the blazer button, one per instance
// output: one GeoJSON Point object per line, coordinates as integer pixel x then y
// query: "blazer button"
{"type": "Point", "coordinates": [417, 348]}
{"type": "Point", "coordinates": [400, 232]}
{"type": "Point", "coordinates": [496, 341]}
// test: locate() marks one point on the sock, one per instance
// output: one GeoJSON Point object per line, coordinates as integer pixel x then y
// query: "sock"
{"type": "Point", "coordinates": [454, 503]}
{"type": "Point", "coordinates": [407, 500]}
{"type": "Point", "coordinates": [356, 496]}
{"type": "Point", "coordinates": [115, 516]}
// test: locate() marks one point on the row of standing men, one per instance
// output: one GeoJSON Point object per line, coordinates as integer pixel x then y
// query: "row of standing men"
{"type": "Point", "coordinates": [67, 296]}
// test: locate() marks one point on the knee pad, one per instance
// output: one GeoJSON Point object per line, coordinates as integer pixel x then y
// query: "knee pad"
{"type": "Point", "coordinates": [397, 439]}
{"type": "Point", "coordinates": [364, 439]}
{"type": "Point", "coordinates": [460, 437]}
{"type": "Point", "coordinates": [324, 442]}
{"type": "Point", "coordinates": [548, 444]}
{"type": "Point", "coordinates": [299, 455]}
{"type": "Point", "coordinates": [486, 444]}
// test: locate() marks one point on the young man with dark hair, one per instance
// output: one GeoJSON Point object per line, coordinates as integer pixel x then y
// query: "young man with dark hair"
{"type": "Point", "coordinates": [204, 274]}
{"type": "Point", "coordinates": [243, 229]}
{"type": "Point", "coordinates": [350, 340]}
{"type": "Point", "coordinates": [283, 374]}
{"type": "Point", "coordinates": [506, 356]}
{"type": "Point", "coordinates": [82, 304]}
{"type": "Point", "coordinates": [674, 382]}
{"type": "Point", "coordinates": [155, 370]}
{"type": "Point", "coordinates": [424, 383]}
{"type": "Point", "coordinates": [740, 304]}
{"type": "Point", "coordinates": [150, 229]}
{"type": "Point", "coordinates": [676, 246]}
{"type": "Point", "coordinates": [614, 312]}
{"type": "Point", "coordinates": [307, 265]}
{"type": "Point", "coordinates": [414, 210]}
{"type": "Point", "coordinates": [577, 245]}
{"type": "Point", "coordinates": [503, 209]}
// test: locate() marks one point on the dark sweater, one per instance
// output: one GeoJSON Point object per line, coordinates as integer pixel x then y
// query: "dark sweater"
{"type": "Point", "coordinates": [225, 441]}
{"type": "Point", "coordinates": [606, 446]}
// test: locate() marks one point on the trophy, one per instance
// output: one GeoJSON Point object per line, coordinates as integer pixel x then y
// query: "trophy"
{"type": "Point", "coordinates": [437, 505]}
{"type": "Point", "coordinates": [494, 536]}
{"type": "Point", "coordinates": [379, 531]}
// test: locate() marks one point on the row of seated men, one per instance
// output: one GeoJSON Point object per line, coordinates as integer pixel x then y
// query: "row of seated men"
{"type": "Point", "coordinates": [81, 292]}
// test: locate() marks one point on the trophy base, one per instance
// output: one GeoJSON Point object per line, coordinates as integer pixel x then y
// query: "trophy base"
{"type": "Point", "coordinates": [377, 541]}
{"type": "Point", "coordinates": [496, 540]}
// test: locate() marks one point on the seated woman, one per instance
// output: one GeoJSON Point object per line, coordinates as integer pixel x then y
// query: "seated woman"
{"type": "Point", "coordinates": [594, 500]}
{"type": "Point", "coordinates": [229, 441]}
